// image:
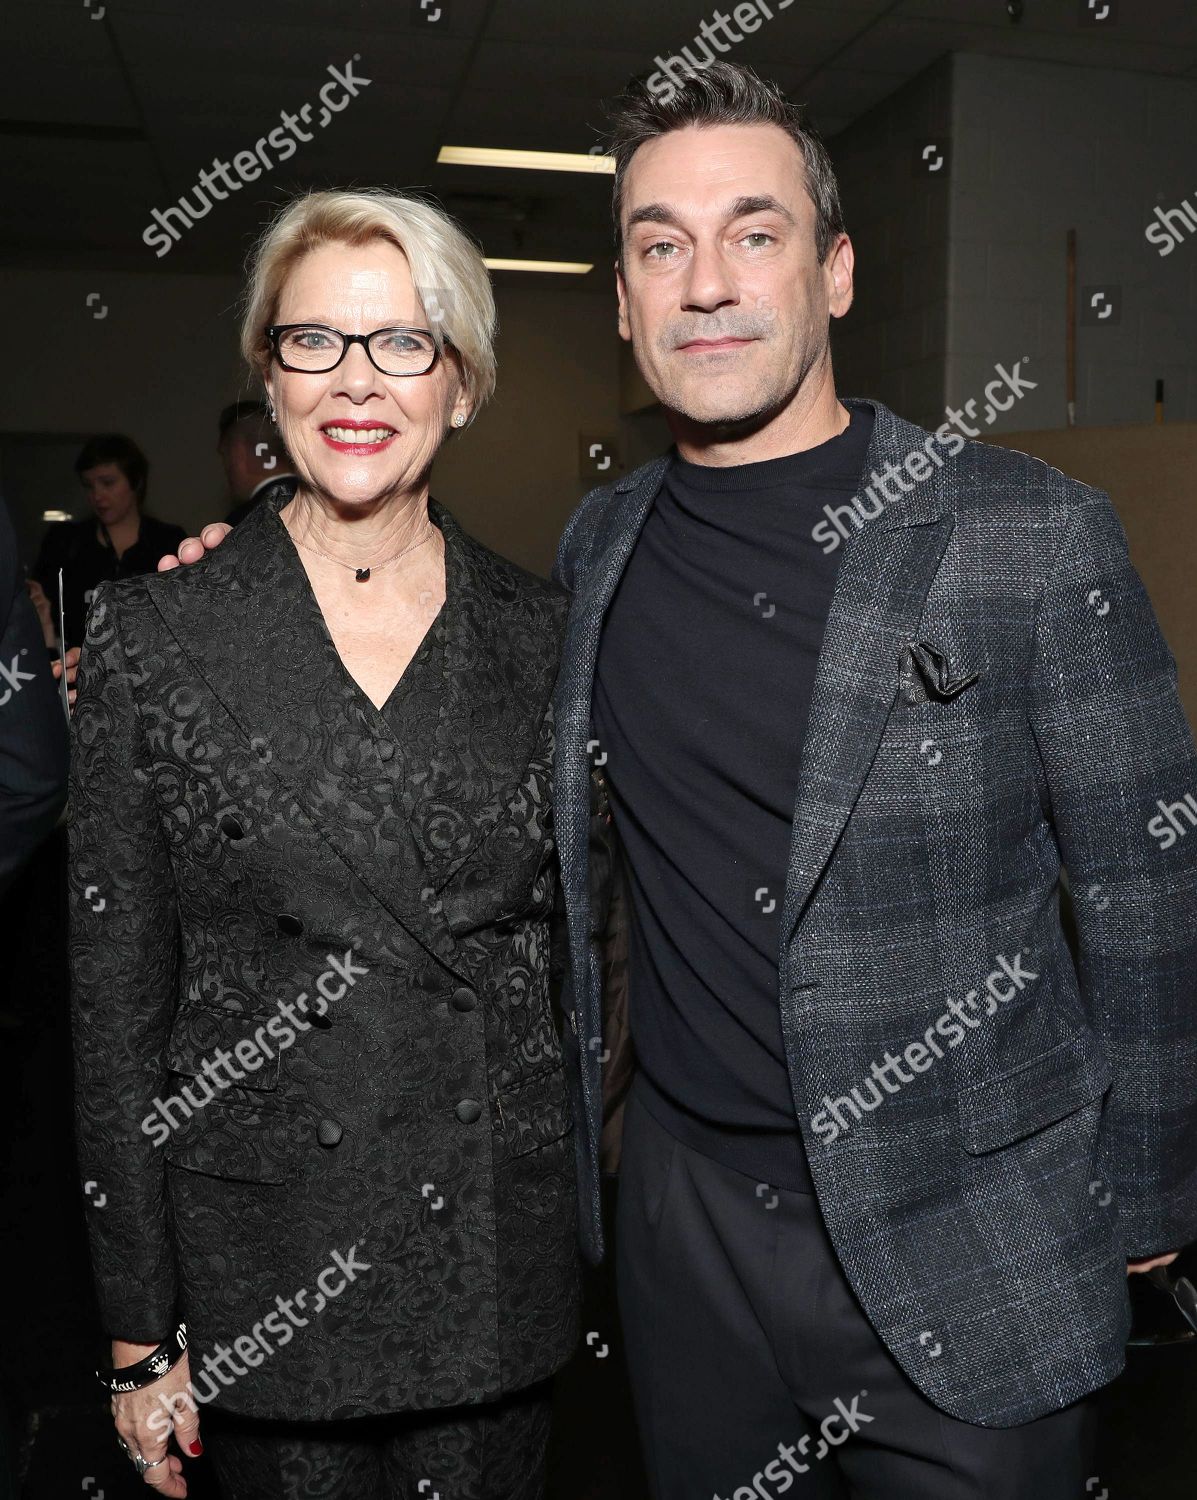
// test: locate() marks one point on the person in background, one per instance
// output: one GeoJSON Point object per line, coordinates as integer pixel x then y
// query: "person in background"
{"type": "Point", "coordinates": [253, 455]}
{"type": "Point", "coordinates": [117, 540]}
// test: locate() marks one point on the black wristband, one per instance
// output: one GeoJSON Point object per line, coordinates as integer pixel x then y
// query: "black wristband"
{"type": "Point", "coordinates": [132, 1377]}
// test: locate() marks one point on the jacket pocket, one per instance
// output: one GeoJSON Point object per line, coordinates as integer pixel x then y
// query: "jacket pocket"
{"type": "Point", "coordinates": [508, 877]}
{"type": "Point", "coordinates": [225, 1119]}
{"type": "Point", "coordinates": [1009, 1106]}
{"type": "Point", "coordinates": [530, 1115]}
{"type": "Point", "coordinates": [202, 1033]}
{"type": "Point", "coordinates": [244, 1142]}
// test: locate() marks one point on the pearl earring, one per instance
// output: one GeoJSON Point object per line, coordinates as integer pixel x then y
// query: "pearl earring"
{"type": "Point", "coordinates": [459, 419]}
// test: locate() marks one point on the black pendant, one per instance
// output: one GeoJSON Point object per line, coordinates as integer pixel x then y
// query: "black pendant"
{"type": "Point", "coordinates": [362, 575]}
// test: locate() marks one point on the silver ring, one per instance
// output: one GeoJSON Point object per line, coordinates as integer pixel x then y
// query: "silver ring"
{"type": "Point", "coordinates": [139, 1461]}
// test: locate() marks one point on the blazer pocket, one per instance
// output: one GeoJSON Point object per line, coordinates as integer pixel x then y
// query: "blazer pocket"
{"type": "Point", "coordinates": [242, 1142]}
{"type": "Point", "coordinates": [226, 1121]}
{"type": "Point", "coordinates": [530, 1115]}
{"type": "Point", "coordinates": [1010, 1106]}
{"type": "Point", "coordinates": [926, 674]}
{"type": "Point", "coordinates": [201, 1032]}
{"type": "Point", "coordinates": [507, 878]}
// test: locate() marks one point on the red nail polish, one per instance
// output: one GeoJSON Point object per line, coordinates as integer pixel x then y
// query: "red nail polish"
{"type": "Point", "coordinates": [195, 1448]}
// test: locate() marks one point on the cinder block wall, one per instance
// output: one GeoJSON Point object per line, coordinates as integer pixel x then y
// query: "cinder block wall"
{"type": "Point", "coordinates": [964, 270]}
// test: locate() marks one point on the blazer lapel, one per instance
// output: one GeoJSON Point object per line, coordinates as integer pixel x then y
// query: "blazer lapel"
{"type": "Point", "coordinates": [496, 686]}
{"type": "Point", "coordinates": [249, 622]}
{"type": "Point", "coordinates": [882, 584]}
{"type": "Point", "coordinates": [615, 536]}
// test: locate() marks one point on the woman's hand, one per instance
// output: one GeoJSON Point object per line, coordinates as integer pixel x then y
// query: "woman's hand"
{"type": "Point", "coordinates": [145, 1419]}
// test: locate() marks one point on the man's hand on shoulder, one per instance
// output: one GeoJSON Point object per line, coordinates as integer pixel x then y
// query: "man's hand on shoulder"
{"type": "Point", "coordinates": [192, 548]}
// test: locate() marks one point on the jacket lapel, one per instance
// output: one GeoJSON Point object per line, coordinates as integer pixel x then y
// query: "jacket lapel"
{"type": "Point", "coordinates": [882, 584]}
{"type": "Point", "coordinates": [615, 536]}
{"type": "Point", "coordinates": [495, 692]}
{"type": "Point", "coordinates": [249, 622]}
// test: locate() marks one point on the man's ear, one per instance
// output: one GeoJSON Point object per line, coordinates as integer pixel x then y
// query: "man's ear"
{"type": "Point", "coordinates": [621, 292]}
{"type": "Point", "coordinates": [839, 269]}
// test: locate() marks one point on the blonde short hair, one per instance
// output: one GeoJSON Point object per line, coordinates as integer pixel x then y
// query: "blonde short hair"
{"type": "Point", "coordinates": [446, 266]}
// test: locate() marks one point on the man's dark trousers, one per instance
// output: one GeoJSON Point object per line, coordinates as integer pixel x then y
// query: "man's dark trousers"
{"type": "Point", "coordinates": [754, 1370]}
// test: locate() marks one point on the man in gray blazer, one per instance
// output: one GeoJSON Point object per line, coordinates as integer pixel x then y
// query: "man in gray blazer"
{"type": "Point", "coordinates": [849, 700]}
{"type": "Point", "coordinates": [840, 702]}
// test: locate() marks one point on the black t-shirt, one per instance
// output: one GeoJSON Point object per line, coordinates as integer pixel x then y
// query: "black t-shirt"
{"type": "Point", "coordinates": [703, 684]}
{"type": "Point", "coordinates": [86, 561]}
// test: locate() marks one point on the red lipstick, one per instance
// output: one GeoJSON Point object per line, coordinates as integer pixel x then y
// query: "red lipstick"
{"type": "Point", "coordinates": [377, 442]}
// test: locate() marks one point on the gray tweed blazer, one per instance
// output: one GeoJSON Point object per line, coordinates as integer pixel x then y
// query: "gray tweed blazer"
{"type": "Point", "coordinates": [995, 1118]}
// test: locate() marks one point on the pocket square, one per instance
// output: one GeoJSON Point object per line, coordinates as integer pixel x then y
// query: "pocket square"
{"type": "Point", "coordinates": [925, 672]}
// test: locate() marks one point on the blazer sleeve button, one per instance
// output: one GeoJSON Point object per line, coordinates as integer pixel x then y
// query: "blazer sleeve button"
{"type": "Point", "coordinates": [231, 827]}
{"type": "Point", "coordinates": [464, 998]}
{"type": "Point", "coordinates": [329, 1132]}
{"type": "Point", "coordinates": [468, 1111]}
{"type": "Point", "coordinates": [292, 926]}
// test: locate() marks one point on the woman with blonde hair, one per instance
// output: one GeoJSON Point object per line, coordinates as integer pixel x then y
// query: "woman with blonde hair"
{"type": "Point", "coordinates": [320, 1091]}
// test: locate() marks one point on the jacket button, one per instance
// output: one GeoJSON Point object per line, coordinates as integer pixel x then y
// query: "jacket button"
{"type": "Point", "coordinates": [231, 827]}
{"type": "Point", "coordinates": [463, 998]}
{"type": "Point", "coordinates": [329, 1132]}
{"type": "Point", "coordinates": [292, 926]}
{"type": "Point", "coordinates": [468, 1111]}
{"type": "Point", "coordinates": [321, 1022]}
{"type": "Point", "coordinates": [386, 750]}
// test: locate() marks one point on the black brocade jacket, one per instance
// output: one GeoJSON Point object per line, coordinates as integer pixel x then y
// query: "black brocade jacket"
{"type": "Point", "coordinates": [320, 1104]}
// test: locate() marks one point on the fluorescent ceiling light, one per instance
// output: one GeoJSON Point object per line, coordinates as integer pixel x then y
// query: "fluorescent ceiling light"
{"type": "Point", "coordinates": [525, 161]}
{"type": "Point", "coordinates": [564, 267]}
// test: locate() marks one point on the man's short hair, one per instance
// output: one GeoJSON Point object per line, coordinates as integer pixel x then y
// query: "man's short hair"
{"type": "Point", "coordinates": [237, 411]}
{"type": "Point", "coordinates": [722, 94]}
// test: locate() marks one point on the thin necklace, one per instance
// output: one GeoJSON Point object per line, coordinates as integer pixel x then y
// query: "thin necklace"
{"type": "Point", "coordinates": [362, 575]}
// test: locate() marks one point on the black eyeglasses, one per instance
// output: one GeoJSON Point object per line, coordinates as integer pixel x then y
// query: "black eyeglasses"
{"type": "Point", "coordinates": [313, 349]}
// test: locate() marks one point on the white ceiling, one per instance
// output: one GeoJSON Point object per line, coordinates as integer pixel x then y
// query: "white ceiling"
{"type": "Point", "coordinates": [103, 120]}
